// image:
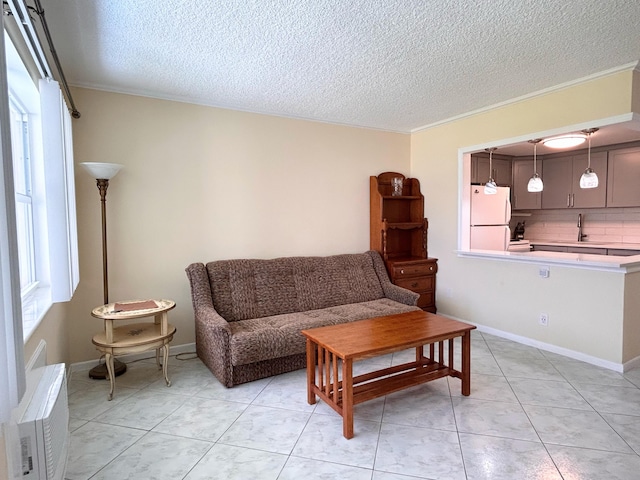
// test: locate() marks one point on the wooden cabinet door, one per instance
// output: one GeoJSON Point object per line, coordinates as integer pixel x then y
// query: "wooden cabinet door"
{"type": "Point", "coordinates": [589, 197]}
{"type": "Point", "coordinates": [522, 172]}
{"type": "Point", "coordinates": [557, 182]}
{"type": "Point", "coordinates": [623, 178]}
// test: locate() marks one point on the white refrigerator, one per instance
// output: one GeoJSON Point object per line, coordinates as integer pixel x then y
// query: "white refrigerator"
{"type": "Point", "coordinates": [490, 215]}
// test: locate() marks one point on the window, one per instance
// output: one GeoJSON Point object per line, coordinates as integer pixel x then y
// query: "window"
{"type": "Point", "coordinates": [44, 191]}
{"type": "Point", "coordinates": [24, 202]}
{"type": "Point", "coordinates": [37, 204]}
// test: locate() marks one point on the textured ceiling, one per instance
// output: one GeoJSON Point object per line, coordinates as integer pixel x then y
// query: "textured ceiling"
{"type": "Point", "coordinates": [396, 65]}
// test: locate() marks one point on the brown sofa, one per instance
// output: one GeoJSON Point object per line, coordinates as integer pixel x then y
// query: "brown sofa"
{"type": "Point", "coordinates": [249, 313]}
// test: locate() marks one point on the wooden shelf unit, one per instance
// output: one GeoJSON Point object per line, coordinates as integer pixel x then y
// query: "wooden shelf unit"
{"type": "Point", "coordinates": [398, 231]}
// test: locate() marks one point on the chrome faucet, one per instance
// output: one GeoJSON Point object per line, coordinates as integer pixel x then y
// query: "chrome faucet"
{"type": "Point", "coordinates": [581, 236]}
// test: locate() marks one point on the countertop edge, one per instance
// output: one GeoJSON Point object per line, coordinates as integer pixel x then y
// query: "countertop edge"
{"type": "Point", "coordinates": [608, 263]}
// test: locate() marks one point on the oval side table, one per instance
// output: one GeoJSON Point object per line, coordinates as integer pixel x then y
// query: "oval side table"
{"type": "Point", "coordinates": [134, 337]}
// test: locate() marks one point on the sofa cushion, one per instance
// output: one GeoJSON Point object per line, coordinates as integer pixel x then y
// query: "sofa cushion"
{"type": "Point", "coordinates": [247, 289]}
{"type": "Point", "coordinates": [276, 336]}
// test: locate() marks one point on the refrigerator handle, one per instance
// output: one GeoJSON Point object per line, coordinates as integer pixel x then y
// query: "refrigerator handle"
{"type": "Point", "coordinates": [507, 209]}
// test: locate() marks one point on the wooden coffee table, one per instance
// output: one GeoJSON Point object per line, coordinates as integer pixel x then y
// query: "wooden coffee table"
{"type": "Point", "coordinates": [362, 339]}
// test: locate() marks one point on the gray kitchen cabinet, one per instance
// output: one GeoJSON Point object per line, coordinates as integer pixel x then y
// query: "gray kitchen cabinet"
{"type": "Point", "coordinates": [622, 252]}
{"type": "Point", "coordinates": [587, 250]}
{"type": "Point", "coordinates": [550, 248]}
{"type": "Point", "coordinates": [623, 178]}
{"type": "Point", "coordinates": [501, 169]}
{"type": "Point", "coordinates": [522, 172]}
{"type": "Point", "coordinates": [562, 182]}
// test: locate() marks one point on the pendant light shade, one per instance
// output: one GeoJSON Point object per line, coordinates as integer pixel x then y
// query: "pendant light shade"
{"type": "Point", "coordinates": [589, 179]}
{"type": "Point", "coordinates": [490, 188]}
{"type": "Point", "coordinates": [535, 182]}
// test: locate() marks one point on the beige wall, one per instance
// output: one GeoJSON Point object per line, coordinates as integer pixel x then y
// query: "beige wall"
{"type": "Point", "coordinates": [510, 296]}
{"type": "Point", "coordinates": [201, 184]}
{"type": "Point", "coordinates": [53, 330]}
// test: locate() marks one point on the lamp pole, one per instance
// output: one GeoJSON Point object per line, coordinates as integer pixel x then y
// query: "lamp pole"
{"type": "Point", "coordinates": [103, 172]}
{"type": "Point", "coordinates": [103, 184]}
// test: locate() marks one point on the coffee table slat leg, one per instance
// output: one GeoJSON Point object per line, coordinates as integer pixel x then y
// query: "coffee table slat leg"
{"type": "Point", "coordinates": [311, 372]}
{"type": "Point", "coordinates": [336, 385]}
{"type": "Point", "coordinates": [327, 372]}
{"type": "Point", "coordinates": [320, 357]}
{"type": "Point", "coordinates": [347, 398]}
{"type": "Point", "coordinates": [466, 363]}
{"type": "Point", "coordinates": [451, 353]}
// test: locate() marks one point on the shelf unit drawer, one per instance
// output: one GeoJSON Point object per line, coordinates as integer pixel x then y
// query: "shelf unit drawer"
{"type": "Point", "coordinates": [414, 269]}
{"type": "Point", "coordinates": [417, 275]}
{"type": "Point", "coordinates": [418, 284]}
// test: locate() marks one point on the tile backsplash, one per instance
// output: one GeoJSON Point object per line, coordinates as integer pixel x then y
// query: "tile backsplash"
{"type": "Point", "coordinates": [609, 225]}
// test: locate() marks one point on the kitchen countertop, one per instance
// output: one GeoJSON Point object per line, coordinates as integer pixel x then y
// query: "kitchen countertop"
{"type": "Point", "coordinates": [610, 263]}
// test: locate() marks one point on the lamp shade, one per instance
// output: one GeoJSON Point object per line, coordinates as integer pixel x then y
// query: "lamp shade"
{"type": "Point", "coordinates": [104, 171]}
{"type": "Point", "coordinates": [490, 188]}
{"type": "Point", "coordinates": [589, 179]}
{"type": "Point", "coordinates": [535, 184]}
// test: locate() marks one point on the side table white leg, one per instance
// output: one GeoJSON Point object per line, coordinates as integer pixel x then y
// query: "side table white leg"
{"type": "Point", "coordinates": [165, 364]}
{"type": "Point", "coordinates": [111, 373]}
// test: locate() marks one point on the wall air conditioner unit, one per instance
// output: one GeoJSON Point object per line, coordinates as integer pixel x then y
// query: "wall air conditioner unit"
{"type": "Point", "coordinates": [43, 428]}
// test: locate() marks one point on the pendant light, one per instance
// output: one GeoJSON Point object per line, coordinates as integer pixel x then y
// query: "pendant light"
{"type": "Point", "coordinates": [490, 188]}
{"type": "Point", "coordinates": [589, 179]}
{"type": "Point", "coordinates": [535, 182]}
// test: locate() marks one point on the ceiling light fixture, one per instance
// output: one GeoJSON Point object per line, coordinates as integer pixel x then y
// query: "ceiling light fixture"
{"type": "Point", "coordinates": [565, 141]}
{"type": "Point", "coordinates": [535, 182]}
{"type": "Point", "coordinates": [589, 179]}
{"type": "Point", "coordinates": [490, 188]}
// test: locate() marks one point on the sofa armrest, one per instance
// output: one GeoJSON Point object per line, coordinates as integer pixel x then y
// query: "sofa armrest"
{"type": "Point", "coordinates": [400, 294]}
{"type": "Point", "coordinates": [391, 291]}
{"type": "Point", "coordinates": [212, 330]}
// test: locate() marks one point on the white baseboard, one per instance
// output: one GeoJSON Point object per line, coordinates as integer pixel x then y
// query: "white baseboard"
{"type": "Point", "coordinates": [583, 357]}
{"type": "Point", "coordinates": [173, 350]}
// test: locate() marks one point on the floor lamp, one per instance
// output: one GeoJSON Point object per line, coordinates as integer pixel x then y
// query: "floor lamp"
{"type": "Point", "coordinates": [103, 172]}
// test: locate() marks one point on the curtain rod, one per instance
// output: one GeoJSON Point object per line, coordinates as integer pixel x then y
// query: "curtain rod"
{"type": "Point", "coordinates": [40, 11]}
{"type": "Point", "coordinates": [26, 26]}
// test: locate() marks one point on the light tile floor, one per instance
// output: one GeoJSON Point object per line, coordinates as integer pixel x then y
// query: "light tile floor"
{"type": "Point", "coordinates": [531, 415]}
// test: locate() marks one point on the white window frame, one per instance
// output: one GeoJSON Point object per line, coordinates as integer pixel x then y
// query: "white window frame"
{"type": "Point", "coordinates": [53, 192]}
{"type": "Point", "coordinates": [12, 374]}
{"type": "Point", "coordinates": [21, 146]}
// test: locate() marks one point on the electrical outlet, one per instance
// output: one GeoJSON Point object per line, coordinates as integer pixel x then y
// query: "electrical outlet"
{"type": "Point", "coordinates": [543, 272]}
{"type": "Point", "coordinates": [544, 319]}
